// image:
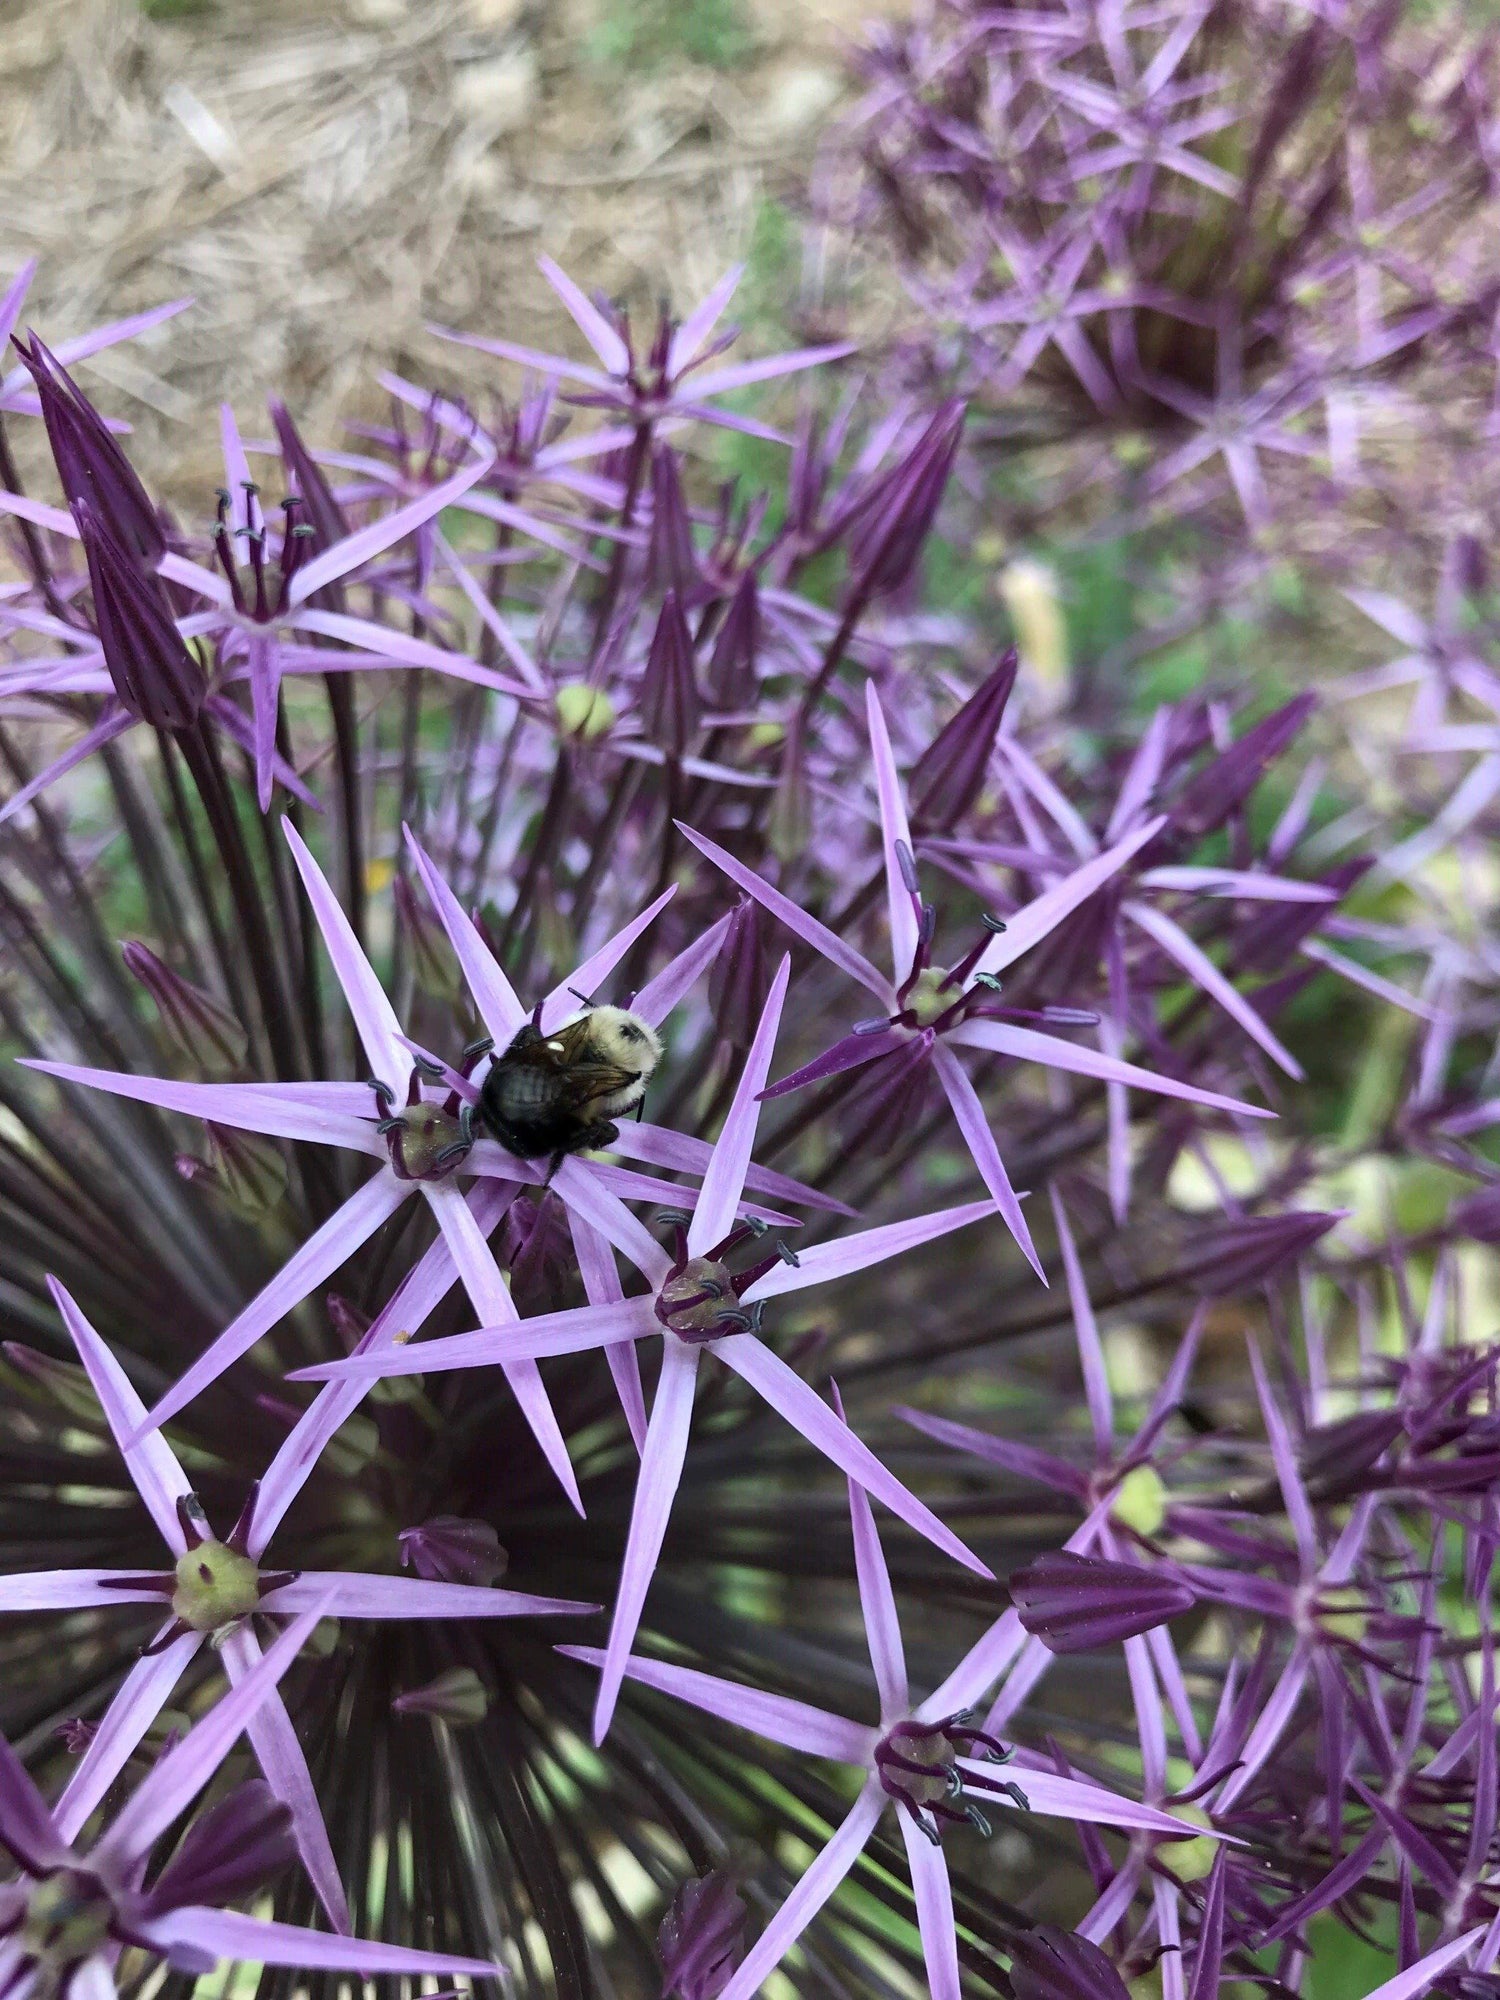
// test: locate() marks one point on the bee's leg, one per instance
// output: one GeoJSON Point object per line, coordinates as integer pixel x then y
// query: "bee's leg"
{"type": "Point", "coordinates": [604, 1133]}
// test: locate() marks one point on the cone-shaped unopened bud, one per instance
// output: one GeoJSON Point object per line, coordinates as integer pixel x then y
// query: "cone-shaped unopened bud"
{"type": "Point", "coordinates": [949, 775]}
{"type": "Point", "coordinates": [1223, 785]}
{"type": "Point", "coordinates": [234, 1849]}
{"type": "Point", "coordinates": [245, 1170]}
{"type": "Point", "coordinates": [671, 563]}
{"type": "Point", "coordinates": [94, 471]}
{"type": "Point", "coordinates": [1347, 1449]}
{"type": "Point", "coordinates": [739, 981]}
{"type": "Point", "coordinates": [319, 510]}
{"type": "Point", "coordinates": [701, 1939]}
{"type": "Point", "coordinates": [203, 1027]}
{"type": "Point", "coordinates": [732, 678]}
{"type": "Point", "coordinates": [154, 674]}
{"type": "Point", "coordinates": [456, 1697]}
{"type": "Point", "coordinates": [538, 1255]}
{"type": "Point", "coordinates": [433, 963]}
{"type": "Point", "coordinates": [583, 711]}
{"type": "Point", "coordinates": [1073, 1603]}
{"type": "Point", "coordinates": [789, 824]}
{"type": "Point", "coordinates": [669, 694]}
{"type": "Point", "coordinates": [1051, 1964]}
{"type": "Point", "coordinates": [1239, 1255]}
{"type": "Point", "coordinates": [451, 1549]}
{"type": "Point", "coordinates": [895, 518]}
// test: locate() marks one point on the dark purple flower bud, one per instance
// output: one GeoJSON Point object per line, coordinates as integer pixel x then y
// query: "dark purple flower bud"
{"type": "Point", "coordinates": [450, 1549]}
{"type": "Point", "coordinates": [1477, 1215]}
{"type": "Point", "coordinates": [1267, 941]}
{"type": "Point", "coordinates": [245, 1170]}
{"type": "Point", "coordinates": [738, 983]}
{"type": "Point", "coordinates": [538, 1255]}
{"type": "Point", "coordinates": [203, 1027]}
{"type": "Point", "coordinates": [235, 1848]}
{"type": "Point", "coordinates": [701, 1939]}
{"type": "Point", "coordinates": [1051, 1964]}
{"type": "Point", "coordinates": [1334, 1454]}
{"type": "Point", "coordinates": [671, 562]}
{"type": "Point", "coordinates": [948, 776]}
{"type": "Point", "coordinates": [669, 694]}
{"type": "Point", "coordinates": [456, 1697]}
{"type": "Point", "coordinates": [319, 510]}
{"type": "Point", "coordinates": [155, 675]}
{"type": "Point", "coordinates": [1234, 1256]}
{"type": "Point", "coordinates": [1073, 1603]}
{"type": "Point", "coordinates": [1224, 784]}
{"type": "Point", "coordinates": [731, 668]}
{"type": "Point", "coordinates": [894, 519]}
{"type": "Point", "coordinates": [90, 464]}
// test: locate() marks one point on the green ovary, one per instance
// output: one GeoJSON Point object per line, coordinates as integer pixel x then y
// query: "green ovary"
{"type": "Point", "coordinates": [215, 1587]}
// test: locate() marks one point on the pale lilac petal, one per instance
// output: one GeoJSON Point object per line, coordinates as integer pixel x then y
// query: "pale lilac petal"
{"type": "Point", "coordinates": [151, 1463]}
{"type": "Point", "coordinates": [1284, 1456]}
{"type": "Point", "coordinates": [528, 357]}
{"type": "Point", "coordinates": [374, 1016]}
{"type": "Point", "coordinates": [1033, 1663]}
{"type": "Point", "coordinates": [284, 1766]}
{"type": "Point", "coordinates": [1357, 975]}
{"type": "Point", "coordinates": [419, 1295]}
{"type": "Point", "coordinates": [1057, 806]}
{"type": "Point", "coordinates": [114, 722]}
{"type": "Point", "coordinates": [741, 374]}
{"type": "Point", "coordinates": [701, 321]}
{"type": "Point", "coordinates": [877, 1601]}
{"type": "Point", "coordinates": [82, 345]}
{"type": "Point", "coordinates": [1238, 882]}
{"type": "Point", "coordinates": [771, 1378]}
{"type": "Point", "coordinates": [795, 1724]}
{"type": "Point", "coordinates": [498, 1002]}
{"type": "Point", "coordinates": [264, 672]}
{"type": "Point", "coordinates": [820, 1262]}
{"type": "Point", "coordinates": [1164, 1896]}
{"type": "Point", "coordinates": [236, 473]}
{"type": "Point", "coordinates": [563, 1000]}
{"type": "Point", "coordinates": [242, 729]}
{"type": "Point", "coordinates": [193, 576]}
{"type": "Point", "coordinates": [1117, 1118]}
{"type": "Point", "coordinates": [577, 1331]}
{"type": "Point", "coordinates": [348, 554]}
{"type": "Point", "coordinates": [1151, 1731]}
{"type": "Point", "coordinates": [601, 1281]}
{"type": "Point", "coordinates": [94, 1979]}
{"type": "Point", "coordinates": [350, 1594]}
{"type": "Point", "coordinates": [1031, 924]}
{"type": "Point", "coordinates": [1115, 1901]}
{"type": "Point", "coordinates": [1417, 1978]}
{"type": "Point", "coordinates": [586, 316]}
{"type": "Point", "coordinates": [1074, 1798]}
{"type": "Point", "coordinates": [172, 1784]}
{"type": "Point", "coordinates": [1392, 616]}
{"type": "Point", "coordinates": [894, 832]}
{"type": "Point", "coordinates": [229, 1934]}
{"type": "Point", "coordinates": [70, 1590]}
{"type": "Point", "coordinates": [1086, 1328]}
{"type": "Point", "coordinates": [278, 1110]}
{"type": "Point", "coordinates": [1200, 968]}
{"type": "Point", "coordinates": [934, 1897]}
{"type": "Point", "coordinates": [490, 1296]}
{"type": "Point", "coordinates": [655, 1490]}
{"type": "Point", "coordinates": [975, 1126]}
{"type": "Point", "coordinates": [660, 995]}
{"type": "Point", "coordinates": [724, 1182]}
{"type": "Point", "coordinates": [823, 940]}
{"type": "Point", "coordinates": [399, 649]}
{"type": "Point", "coordinates": [1029, 1045]}
{"type": "Point", "coordinates": [828, 1869]}
{"type": "Point", "coordinates": [57, 519]}
{"type": "Point", "coordinates": [143, 1694]}
{"type": "Point", "coordinates": [583, 1190]}
{"type": "Point", "coordinates": [320, 1256]}
{"type": "Point", "coordinates": [490, 618]}
{"type": "Point", "coordinates": [686, 1154]}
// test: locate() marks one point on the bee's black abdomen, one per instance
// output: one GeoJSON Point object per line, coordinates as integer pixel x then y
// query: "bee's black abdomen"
{"type": "Point", "coordinates": [527, 1104]}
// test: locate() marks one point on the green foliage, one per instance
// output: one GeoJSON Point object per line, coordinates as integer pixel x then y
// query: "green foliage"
{"type": "Point", "coordinates": [643, 34]}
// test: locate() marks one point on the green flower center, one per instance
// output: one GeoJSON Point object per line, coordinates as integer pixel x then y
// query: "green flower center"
{"type": "Point", "coordinates": [583, 711]}
{"type": "Point", "coordinates": [1140, 1501]}
{"type": "Point", "coordinates": [1191, 1859]}
{"type": "Point", "coordinates": [67, 1919]}
{"type": "Point", "coordinates": [927, 1000]}
{"type": "Point", "coordinates": [694, 1300]}
{"type": "Point", "coordinates": [216, 1586]}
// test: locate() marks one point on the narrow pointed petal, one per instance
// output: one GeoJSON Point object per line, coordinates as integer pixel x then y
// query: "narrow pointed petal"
{"type": "Point", "coordinates": [112, 723]}
{"type": "Point", "coordinates": [820, 1262]}
{"type": "Point", "coordinates": [574, 1332]}
{"type": "Point", "coordinates": [143, 1694]}
{"type": "Point", "coordinates": [10, 312]}
{"type": "Point", "coordinates": [1238, 882]}
{"type": "Point", "coordinates": [347, 1594]}
{"type": "Point", "coordinates": [686, 1154]}
{"type": "Point", "coordinates": [1029, 1461]}
{"type": "Point", "coordinates": [1030, 1045]}
{"type": "Point", "coordinates": [320, 1256]}
{"type": "Point", "coordinates": [374, 1016]}
{"type": "Point", "coordinates": [877, 1600]}
{"type": "Point", "coordinates": [70, 1590]}
{"type": "Point", "coordinates": [281, 1759]}
{"type": "Point", "coordinates": [934, 1897]}
{"type": "Point", "coordinates": [655, 1490]}
{"type": "Point", "coordinates": [281, 1111]}
{"type": "Point", "coordinates": [1209, 1956]}
{"type": "Point", "coordinates": [823, 940]}
{"type": "Point", "coordinates": [587, 978]}
{"type": "Point", "coordinates": [828, 1869]}
{"type": "Point", "coordinates": [895, 834]}
{"type": "Point", "coordinates": [1269, 1724]}
{"type": "Point", "coordinates": [1417, 1978]}
{"type": "Point", "coordinates": [499, 1004]}
{"type": "Point", "coordinates": [724, 1182]}
{"type": "Point", "coordinates": [265, 703]}
{"type": "Point", "coordinates": [358, 548]}
{"type": "Point", "coordinates": [701, 321]}
{"type": "Point", "coordinates": [975, 1126]}
{"type": "Point", "coordinates": [584, 1192]}
{"type": "Point", "coordinates": [1030, 925]}
{"type": "Point", "coordinates": [601, 1280]}
{"type": "Point", "coordinates": [1201, 969]}
{"type": "Point", "coordinates": [741, 374]}
{"type": "Point", "coordinates": [1086, 1331]}
{"type": "Point", "coordinates": [802, 1407]}
{"type": "Point", "coordinates": [797, 1725]}
{"type": "Point", "coordinates": [151, 1462]}
{"type": "Point", "coordinates": [173, 1783]}
{"type": "Point", "coordinates": [229, 1934]}
{"type": "Point", "coordinates": [490, 1296]}
{"type": "Point", "coordinates": [586, 316]}
{"type": "Point", "coordinates": [676, 980]}
{"type": "Point", "coordinates": [1074, 1798]}
{"type": "Point", "coordinates": [27, 1827]}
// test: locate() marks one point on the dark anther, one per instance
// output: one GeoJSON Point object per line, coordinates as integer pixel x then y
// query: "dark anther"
{"type": "Point", "coordinates": [787, 1254]}
{"type": "Point", "coordinates": [988, 979]}
{"type": "Point", "coordinates": [993, 924]}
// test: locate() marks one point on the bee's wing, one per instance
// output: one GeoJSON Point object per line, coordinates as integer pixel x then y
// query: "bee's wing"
{"type": "Point", "coordinates": [592, 1080]}
{"type": "Point", "coordinates": [569, 1047]}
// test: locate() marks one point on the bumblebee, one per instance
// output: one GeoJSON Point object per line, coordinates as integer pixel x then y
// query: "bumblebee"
{"type": "Point", "coordinates": [549, 1095]}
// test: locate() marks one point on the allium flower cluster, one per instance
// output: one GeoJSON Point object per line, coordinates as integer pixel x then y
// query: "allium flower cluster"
{"type": "Point", "coordinates": [846, 1176]}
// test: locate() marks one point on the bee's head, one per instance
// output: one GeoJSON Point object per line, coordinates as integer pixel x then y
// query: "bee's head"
{"type": "Point", "coordinates": [625, 1040]}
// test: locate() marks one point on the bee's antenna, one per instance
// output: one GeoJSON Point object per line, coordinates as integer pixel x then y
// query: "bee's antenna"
{"type": "Point", "coordinates": [586, 998]}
